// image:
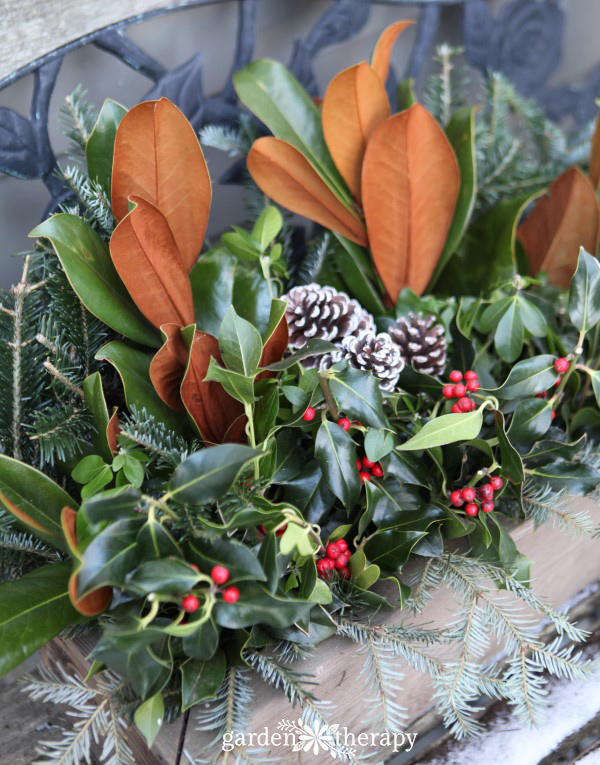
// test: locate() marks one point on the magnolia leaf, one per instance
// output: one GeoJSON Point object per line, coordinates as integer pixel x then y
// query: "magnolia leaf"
{"type": "Point", "coordinates": [408, 214]}
{"type": "Point", "coordinates": [168, 366]}
{"type": "Point", "coordinates": [584, 292]}
{"type": "Point", "coordinates": [562, 222]}
{"type": "Point", "coordinates": [100, 145]}
{"type": "Point", "coordinates": [355, 103]}
{"type": "Point", "coordinates": [447, 429]}
{"type": "Point", "coordinates": [157, 157]}
{"type": "Point", "coordinates": [380, 60]}
{"type": "Point", "coordinates": [285, 175]}
{"type": "Point", "coordinates": [150, 264]}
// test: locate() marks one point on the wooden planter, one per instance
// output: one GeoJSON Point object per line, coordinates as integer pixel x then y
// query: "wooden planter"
{"type": "Point", "coordinates": [562, 567]}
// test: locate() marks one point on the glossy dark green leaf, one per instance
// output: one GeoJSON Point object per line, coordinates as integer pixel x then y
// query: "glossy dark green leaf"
{"type": "Point", "coordinates": [90, 271]}
{"type": "Point", "coordinates": [155, 541]}
{"type": "Point", "coordinates": [407, 469]}
{"type": "Point", "coordinates": [461, 134]}
{"type": "Point", "coordinates": [237, 557]}
{"type": "Point", "coordinates": [268, 559]}
{"type": "Point", "coordinates": [207, 474]}
{"type": "Point", "coordinates": [100, 145]}
{"type": "Point", "coordinates": [584, 292]}
{"type": "Point", "coordinates": [309, 493]}
{"type": "Point", "coordinates": [111, 505]}
{"type": "Point", "coordinates": [110, 556]}
{"type": "Point", "coordinates": [510, 333]}
{"type": "Point", "coordinates": [463, 349]}
{"type": "Point", "coordinates": [418, 382]}
{"type": "Point", "coordinates": [358, 395]}
{"type": "Point", "coordinates": [149, 717]}
{"type": "Point", "coordinates": [511, 461]}
{"type": "Point", "coordinates": [34, 500]}
{"type": "Point", "coordinates": [290, 457]}
{"type": "Point", "coordinates": [202, 643]}
{"type": "Point", "coordinates": [312, 348]}
{"type": "Point", "coordinates": [146, 670]}
{"type": "Point", "coordinates": [586, 419]}
{"type": "Point", "coordinates": [240, 343]}
{"type": "Point", "coordinates": [378, 444]}
{"type": "Point", "coordinates": [446, 429]}
{"type": "Point", "coordinates": [527, 377]}
{"type": "Point", "coordinates": [237, 385]}
{"type": "Point", "coordinates": [258, 606]}
{"type": "Point", "coordinates": [548, 450]}
{"type": "Point", "coordinates": [133, 366]}
{"type": "Point", "coordinates": [532, 317]}
{"type": "Point", "coordinates": [391, 549]}
{"type": "Point", "coordinates": [171, 576]}
{"type": "Point", "coordinates": [96, 403]}
{"type": "Point", "coordinates": [493, 313]}
{"type": "Point", "coordinates": [530, 421]}
{"type": "Point", "coordinates": [200, 680]}
{"type": "Point", "coordinates": [35, 608]}
{"type": "Point", "coordinates": [265, 413]}
{"type": "Point", "coordinates": [400, 507]}
{"type": "Point", "coordinates": [575, 478]}
{"type": "Point", "coordinates": [335, 452]}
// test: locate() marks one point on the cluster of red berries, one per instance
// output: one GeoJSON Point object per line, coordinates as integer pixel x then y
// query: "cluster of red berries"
{"type": "Point", "coordinates": [219, 574]}
{"type": "Point", "coordinates": [336, 558]}
{"type": "Point", "coordinates": [366, 469]}
{"type": "Point", "coordinates": [460, 390]}
{"type": "Point", "coordinates": [485, 493]}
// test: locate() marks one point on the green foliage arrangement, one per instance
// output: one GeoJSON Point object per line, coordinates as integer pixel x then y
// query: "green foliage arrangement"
{"type": "Point", "coordinates": [220, 466]}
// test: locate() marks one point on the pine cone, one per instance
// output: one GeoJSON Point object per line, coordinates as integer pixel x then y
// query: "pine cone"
{"type": "Point", "coordinates": [422, 343]}
{"type": "Point", "coordinates": [377, 354]}
{"type": "Point", "coordinates": [323, 313]}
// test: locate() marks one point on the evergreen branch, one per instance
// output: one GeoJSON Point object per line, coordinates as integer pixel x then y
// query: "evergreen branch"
{"type": "Point", "coordinates": [545, 505]}
{"type": "Point", "coordinates": [49, 366]}
{"type": "Point", "coordinates": [77, 117]}
{"type": "Point", "coordinates": [224, 138]}
{"type": "Point", "coordinates": [143, 429]}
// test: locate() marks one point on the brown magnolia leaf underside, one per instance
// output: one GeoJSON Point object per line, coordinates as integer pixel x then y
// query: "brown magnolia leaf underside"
{"type": "Point", "coordinates": [148, 261]}
{"type": "Point", "coordinates": [157, 156]}
{"type": "Point", "coordinates": [380, 60]}
{"type": "Point", "coordinates": [112, 431]}
{"type": "Point", "coordinates": [286, 176]}
{"type": "Point", "coordinates": [25, 518]}
{"type": "Point", "coordinates": [274, 348]}
{"type": "Point", "coordinates": [562, 221]}
{"type": "Point", "coordinates": [167, 368]}
{"type": "Point", "coordinates": [410, 185]}
{"type": "Point", "coordinates": [219, 417]}
{"type": "Point", "coordinates": [355, 104]}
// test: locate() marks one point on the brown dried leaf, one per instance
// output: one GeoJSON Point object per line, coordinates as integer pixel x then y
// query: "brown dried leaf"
{"type": "Point", "coordinates": [380, 60]}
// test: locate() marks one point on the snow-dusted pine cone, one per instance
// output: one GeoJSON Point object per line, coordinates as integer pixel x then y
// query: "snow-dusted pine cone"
{"type": "Point", "coordinates": [325, 314]}
{"type": "Point", "coordinates": [377, 354]}
{"type": "Point", "coordinates": [421, 341]}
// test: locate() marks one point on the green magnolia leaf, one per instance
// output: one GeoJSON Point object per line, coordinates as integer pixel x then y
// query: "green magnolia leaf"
{"type": "Point", "coordinates": [461, 134]}
{"type": "Point", "coordinates": [200, 680]}
{"type": "Point", "coordinates": [96, 403]}
{"type": "Point", "coordinates": [35, 609]}
{"type": "Point", "coordinates": [276, 97]}
{"type": "Point", "coordinates": [207, 474]}
{"type": "Point", "coordinates": [34, 500]}
{"type": "Point", "coordinates": [239, 559]}
{"type": "Point", "coordinates": [358, 395]}
{"type": "Point", "coordinates": [378, 444]}
{"type": "Point", "coordinates": [237, 385]}
{"type": "Point", "coordinates": [240, 344]}
{"type": "Point", "coordinates": [133, 366]}
{"type": "Point", "coordinates": [391, 549]}
{"type": "Point", "coordinates": [335, 452]}
{"type": "Point", "coordinates": [267, 226]}
{"type": "Point", "coordinates": [584, 292]}
{"type": "Point", "coordinates": [312, 348]}
{"type": "Point", "coordinates": [527, 378]}
{"type": "Point", "coordinates": [203, 643]}
{"type": "Point", "coordinates": [530, 421]}
{"type": "Point", "coordinates": [110, 556]}
{"type": "Point", "coordinates": [512, 463]}
{"type": "Point", "coordinates": [171, 576]}
{"type": "Point", "coordinates": [99, 148]}
{"type": "Point", "coordinates": [447, 429]}
{"type": "Point", "coordinates": [258, 606]}
{"type": "Point", "coordinates": [88, 266]}
{"type": "Point", "coordinates": [149, 717]}
{"type": "Point", "coordinates": [510, 333]}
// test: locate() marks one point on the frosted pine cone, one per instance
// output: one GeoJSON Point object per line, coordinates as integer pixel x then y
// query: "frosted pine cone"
{"type": "Point", "coordinates": [377, 354]}
{"type": "Point", "coordinates": [325, 314]}
{"type": "Point", "coordinates": [421, 341]}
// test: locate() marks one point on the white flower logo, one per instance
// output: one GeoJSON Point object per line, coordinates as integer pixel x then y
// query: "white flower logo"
{"type": "Point", "coordinates": [316, 737]}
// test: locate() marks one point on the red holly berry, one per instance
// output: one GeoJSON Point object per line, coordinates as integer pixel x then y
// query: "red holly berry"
{"type": "Point", "coordinates": [455, 376]}
{"type": "Point", "coordinates": [456, 498]}
{"type": "Point", "coordinates": [471, 509]}
{"type": "Point", "coordinates": [473, 386]}
{"type": "Point", "coordinates": [359, 465]}
{"type": "Point", "coordinates": [309, 414]}
{"type": "Point", "coordinates": [325, 567]}
{"type": "Point", "coordinates": [219, 574]}
{"type": "Point", "coordinates": [341, 560]}
{"type": "Point", "coordinates": [464, 404]}
{"type": "Point", "coordinates": [497, 482]}
{"type": "Point", "coordinates": [486, 491]}
{"type": "Point", "coordinates": [344, 423]}
{"type": "Point", "coordinates": [456, 409]}
{"type": "Point", "coordinates": [367, 462]}
{"type": "Point", "coordinates": [332, 550]}
{"type": "Point", "coordinates": [487, 506]}
{"type": "Point", "coordinates": [468, 494]}
{"type": "Point", "coordinates": [231, 595]}
{"type": "Point", "coordinates": [471, 375]}
{"type": "Point", "coordinates": [377, 471]}
{"type": "Point", "coordinates": [342, 545]}
{"type": "Point", "coordinates": [364, 476]}
{"type": "Point", "coordinates": [190, 604]}
{"type": "Point", "coordinates": [460, 390]}
{"type": "Point", "coordinates": [561, 365]}
{"type": "Point", "coordinates": [448, 391]}
{"type": "Point", "coordinates": [343, 573]}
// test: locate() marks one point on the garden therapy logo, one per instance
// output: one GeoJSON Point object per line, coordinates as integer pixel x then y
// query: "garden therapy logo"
{"type": "Point", "coordinates": [318, 738]}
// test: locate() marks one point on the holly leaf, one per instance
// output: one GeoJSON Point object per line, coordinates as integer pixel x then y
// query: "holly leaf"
{"type": "Point", "coordinates": [447, 429]}
{"type": "Point", "coordinates": [584, 292]}
{"type": "Point", "coordinates": [335, 451]}
{"type": "Point", "coordinates": [200, 680]}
